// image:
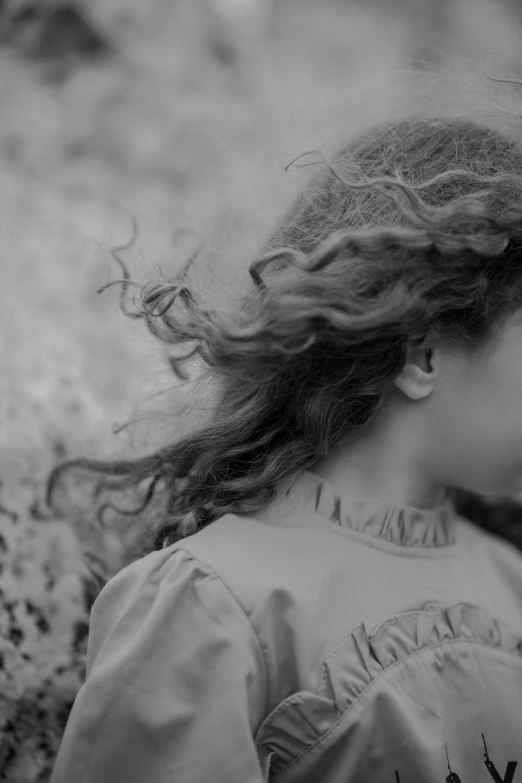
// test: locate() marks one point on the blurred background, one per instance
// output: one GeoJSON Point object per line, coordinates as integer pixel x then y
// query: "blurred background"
{"type": "Point", "coordinates": [182, 114]}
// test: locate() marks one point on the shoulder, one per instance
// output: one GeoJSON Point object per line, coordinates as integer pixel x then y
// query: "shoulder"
{"type": "Point", "coordinates": [170, 588]}
{"type": "Point", "coordinates": [237, 554]}
{"type": "Point", "coordinates": [177, 569]}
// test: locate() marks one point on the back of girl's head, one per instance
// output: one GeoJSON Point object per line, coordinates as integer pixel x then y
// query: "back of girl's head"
{"type": "Point", "coordinates": [414, 224]}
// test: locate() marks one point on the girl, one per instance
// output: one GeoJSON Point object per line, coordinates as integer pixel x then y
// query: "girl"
{"type": "Point", "coordinates": [314, 608]}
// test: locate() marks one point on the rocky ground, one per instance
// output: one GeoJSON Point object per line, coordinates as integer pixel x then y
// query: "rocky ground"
{"type": "Point", "coordinates": [184, 117]}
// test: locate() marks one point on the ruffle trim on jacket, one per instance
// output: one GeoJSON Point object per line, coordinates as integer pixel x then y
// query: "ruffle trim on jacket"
{"type": "Point", "coordinates": [303, 718]}
{"type": "Point", "coordinates": [409, 526]}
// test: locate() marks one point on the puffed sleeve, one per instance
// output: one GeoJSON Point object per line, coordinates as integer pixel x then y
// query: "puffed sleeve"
{"type": "Point", "coordinates": [175, 681]}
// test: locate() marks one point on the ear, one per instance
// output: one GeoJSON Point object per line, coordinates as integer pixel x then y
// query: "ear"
{"type": "Point", "coordinates": [417, 379]}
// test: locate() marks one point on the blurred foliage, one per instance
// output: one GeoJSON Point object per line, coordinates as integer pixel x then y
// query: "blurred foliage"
{"type": "Point", "coordinates": [57, 34]}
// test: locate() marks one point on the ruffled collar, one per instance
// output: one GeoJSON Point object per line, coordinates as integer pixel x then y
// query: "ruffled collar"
{"type": "Point", "coordinates": [405, 525]}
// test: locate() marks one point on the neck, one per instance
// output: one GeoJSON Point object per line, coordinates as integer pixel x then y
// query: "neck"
{"type": "Point", "coordinates": [387, 459]}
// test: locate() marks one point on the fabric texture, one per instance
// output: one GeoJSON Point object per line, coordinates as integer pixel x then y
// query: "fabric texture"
{"type": "Point", "coordinates": [326, 638]}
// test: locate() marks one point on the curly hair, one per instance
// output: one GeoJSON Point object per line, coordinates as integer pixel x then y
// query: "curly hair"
{"type": "Point", "coordinates": [415, 224]}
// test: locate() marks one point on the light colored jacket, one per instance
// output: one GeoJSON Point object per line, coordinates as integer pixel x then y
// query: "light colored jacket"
{"type": "Point", "coordinates": [325, 639]}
